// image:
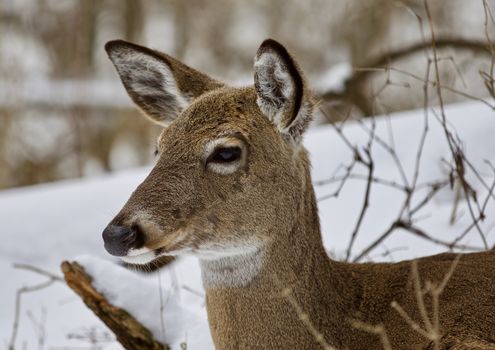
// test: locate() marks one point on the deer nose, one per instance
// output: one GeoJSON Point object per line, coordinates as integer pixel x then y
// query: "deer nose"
{"type": "Point", "coordinates": [120, 239]}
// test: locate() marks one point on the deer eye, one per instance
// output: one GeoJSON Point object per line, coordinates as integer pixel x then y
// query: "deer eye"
{"type": "Point", "coordinates": [225, 155]}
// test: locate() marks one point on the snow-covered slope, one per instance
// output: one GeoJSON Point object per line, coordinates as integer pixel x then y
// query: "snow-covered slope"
{"type": "Point", "coordinates": [46, 224]}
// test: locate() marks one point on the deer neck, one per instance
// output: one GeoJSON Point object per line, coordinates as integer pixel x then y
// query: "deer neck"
{"type": "Point", "coordinates": [245, 299]}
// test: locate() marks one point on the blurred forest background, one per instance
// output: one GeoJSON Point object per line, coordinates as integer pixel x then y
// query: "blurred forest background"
{"type": "Point", "coordinates": [64, 113]}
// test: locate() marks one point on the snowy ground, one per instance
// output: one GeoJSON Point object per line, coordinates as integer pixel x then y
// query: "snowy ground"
{"type": "Point", "coordinates": [44, 225]}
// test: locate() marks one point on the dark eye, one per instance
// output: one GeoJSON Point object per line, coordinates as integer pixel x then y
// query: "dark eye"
{"type": "Point", "coordinates": [226, 155]}
{"type": "Point", "coordinates": [156, 152]}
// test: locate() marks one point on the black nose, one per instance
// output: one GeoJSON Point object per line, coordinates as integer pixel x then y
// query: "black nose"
{"type": "Point", "coordinates": [120, 239]}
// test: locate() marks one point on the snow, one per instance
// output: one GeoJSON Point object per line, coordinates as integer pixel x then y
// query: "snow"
{"type": "Point", "coordinates": [46, 224]}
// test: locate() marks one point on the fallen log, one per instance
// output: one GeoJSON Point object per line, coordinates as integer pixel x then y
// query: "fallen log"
{"type": "Point", "coordinates": [129, 332]}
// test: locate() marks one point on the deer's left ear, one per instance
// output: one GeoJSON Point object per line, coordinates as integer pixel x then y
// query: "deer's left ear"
{"type": "Point", "coordinates": [281, 88]}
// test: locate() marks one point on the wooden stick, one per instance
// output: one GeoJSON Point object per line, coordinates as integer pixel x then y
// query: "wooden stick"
{"type": "Point", "coordinates": [129, 332]}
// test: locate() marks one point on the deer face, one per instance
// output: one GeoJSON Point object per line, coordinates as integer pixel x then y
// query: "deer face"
{"type": "Point", "coordinates": [230, 170]}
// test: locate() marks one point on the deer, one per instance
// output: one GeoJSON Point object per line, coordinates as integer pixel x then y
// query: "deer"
{"type": "Point", "coordinates": [232, 187]}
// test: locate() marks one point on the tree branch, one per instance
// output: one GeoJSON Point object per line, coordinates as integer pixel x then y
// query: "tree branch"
{"type": "Point", "coordinates": [129, 332]}
{"type": "Point", "coordinates": [352, 89]}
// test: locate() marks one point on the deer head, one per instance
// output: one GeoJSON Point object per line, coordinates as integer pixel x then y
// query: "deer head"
{"type": "Point", "coordinates": [231, 171]}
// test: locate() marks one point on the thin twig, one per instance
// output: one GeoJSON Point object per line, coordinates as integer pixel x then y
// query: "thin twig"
{"type": "Point", "coordinates": [370, 164]}
{"type": "Point", "coordinates": [52, 278]}
{"type": "Point", "coordinates": [455, 150]}
{"type": "Point", "coordinates": [37, 270]}
{"type": "Point", "coordinates": [18, 304]}
{"type": "Point", "coordinates": [303, 316]}
{"type": "Point", "coordinates": [378, 330]}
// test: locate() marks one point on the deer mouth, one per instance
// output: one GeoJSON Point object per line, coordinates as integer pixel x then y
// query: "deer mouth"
{"type": "Point", "coordinates": [141, 256]}
{"type": "Point", "coordinates": [159, 251]}
{"type": "Point", "coordinates": [147, 261]}
{"type": "Point", "coordinates": [154, 250]}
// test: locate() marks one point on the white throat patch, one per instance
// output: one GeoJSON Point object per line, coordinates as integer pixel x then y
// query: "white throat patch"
{"type": "Point", "coordinates": [232, 271]}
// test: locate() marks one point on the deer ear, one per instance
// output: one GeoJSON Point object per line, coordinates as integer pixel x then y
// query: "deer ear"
{"type": "Point", "coordinates": [160, 85]}
{"type": "Point", "coordinates": [281, 88]}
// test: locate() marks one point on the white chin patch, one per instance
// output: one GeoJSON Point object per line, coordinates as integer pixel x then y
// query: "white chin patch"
{"type": "Point", "coordinates": [141, 256]}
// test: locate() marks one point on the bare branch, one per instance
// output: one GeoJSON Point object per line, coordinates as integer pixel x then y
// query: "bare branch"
{"type": "Point", "coordinates": [378, 330]}
{"type": "Point", "coordinates": [37, 270]}
{"type": "Point", "coordinates": [18, 303]}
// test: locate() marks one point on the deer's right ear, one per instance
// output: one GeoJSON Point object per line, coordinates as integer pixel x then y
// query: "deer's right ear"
{"type": "Point", "coordinates": [160, 85]}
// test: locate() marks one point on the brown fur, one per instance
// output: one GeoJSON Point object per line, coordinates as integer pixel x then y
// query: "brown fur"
{"type": "Point", "coordinates": [270, 199]}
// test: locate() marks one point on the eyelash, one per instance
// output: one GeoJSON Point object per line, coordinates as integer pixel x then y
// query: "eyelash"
{"type": "Point", "coordinates": [224, 155]}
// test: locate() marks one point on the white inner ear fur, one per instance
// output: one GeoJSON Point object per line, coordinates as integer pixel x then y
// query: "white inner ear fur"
{"type": "Point", "coordinates": [275, 94]}
{"type": "Point", "coordinates": [138, 68]}
{"type": "Point", "coordinates": [276, 87]}
{"type": "Point", "coordinates": [224, 168]}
